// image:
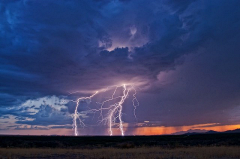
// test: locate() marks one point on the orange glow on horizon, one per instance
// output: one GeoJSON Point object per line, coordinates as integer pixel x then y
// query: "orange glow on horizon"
{"type": "Point", "coordinates": [162, 130]}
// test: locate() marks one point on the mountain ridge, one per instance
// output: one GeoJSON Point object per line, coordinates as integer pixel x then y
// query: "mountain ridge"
{"type": "Point", "coordinates": [202, 131]}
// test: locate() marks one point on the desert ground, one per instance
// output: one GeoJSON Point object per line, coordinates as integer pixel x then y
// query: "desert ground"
{"type": "Point", "coordinates": [201, 146]}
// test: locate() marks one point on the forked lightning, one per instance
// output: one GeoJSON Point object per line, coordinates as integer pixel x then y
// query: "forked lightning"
{"type": "Point", "coordinates": [114, 110]}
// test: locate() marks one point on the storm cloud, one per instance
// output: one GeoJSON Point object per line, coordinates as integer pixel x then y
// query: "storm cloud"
{"type": "Point", "coordinates": [183, 54]}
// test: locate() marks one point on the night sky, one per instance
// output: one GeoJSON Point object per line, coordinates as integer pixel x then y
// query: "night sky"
{"type": "Point", "coordinates": [182, 56]}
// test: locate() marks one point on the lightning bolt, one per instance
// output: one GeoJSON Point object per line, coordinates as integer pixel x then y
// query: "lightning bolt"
{"type": "Point", "coordinates": [118, 110]}
{"type": "Point", "coordinates": [114, 110]}
{"type": "Point", "coordinates": [76, 115]}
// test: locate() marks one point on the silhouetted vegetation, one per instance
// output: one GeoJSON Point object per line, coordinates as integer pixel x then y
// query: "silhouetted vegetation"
{"type": "Point", "coordinates": [85, 142]}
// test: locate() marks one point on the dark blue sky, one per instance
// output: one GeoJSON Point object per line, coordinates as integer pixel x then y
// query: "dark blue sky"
{"type": "Point", "coordinates": [183, 56]}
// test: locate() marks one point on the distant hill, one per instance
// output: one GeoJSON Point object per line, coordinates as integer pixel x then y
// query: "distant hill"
{"type": "Point", "coordinates": [201, 131]}
{"type": "Point", "coordinates": [233, 131]}
{"type": "Point", "coordinates": [212, 132]}
{"type": "Point", "coordinates": [195, 131]}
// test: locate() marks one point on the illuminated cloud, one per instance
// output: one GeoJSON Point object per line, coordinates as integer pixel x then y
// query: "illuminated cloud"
{"type": "Point", "coordinates": [183, 56]}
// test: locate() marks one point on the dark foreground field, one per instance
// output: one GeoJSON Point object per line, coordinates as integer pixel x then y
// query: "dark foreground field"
{"type": "Point", "coordinates": [221, 146]}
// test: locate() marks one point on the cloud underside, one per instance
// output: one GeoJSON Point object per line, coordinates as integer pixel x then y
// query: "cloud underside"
{"type": "Point", "coordinates": [184, 55]}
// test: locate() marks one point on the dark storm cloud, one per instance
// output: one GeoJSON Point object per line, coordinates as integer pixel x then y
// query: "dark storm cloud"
{"type": "Point", "coordinates": [52, 47]}
{"type": "Point", "coordinates": [54, 44]}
